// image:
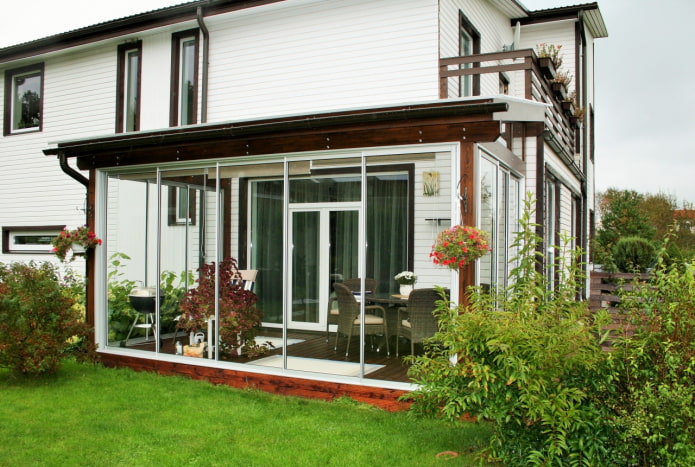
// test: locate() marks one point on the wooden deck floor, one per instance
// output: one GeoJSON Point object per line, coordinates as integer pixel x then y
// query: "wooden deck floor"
{"type": "Point", "coordinates": [314, 345]}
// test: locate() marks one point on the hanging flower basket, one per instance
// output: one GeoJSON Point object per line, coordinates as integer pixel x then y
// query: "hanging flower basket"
{"type": "Point", "coordinates": [79, 241]}
{"type": "Point", "coordinates": [458, 246]}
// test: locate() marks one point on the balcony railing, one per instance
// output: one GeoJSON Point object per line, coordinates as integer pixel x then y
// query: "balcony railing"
{"type": "Point", "coordinates": [519, 66]}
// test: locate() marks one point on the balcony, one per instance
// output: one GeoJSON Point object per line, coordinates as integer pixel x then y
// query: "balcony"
{"type": "Point", "coordinates": [528, 79]}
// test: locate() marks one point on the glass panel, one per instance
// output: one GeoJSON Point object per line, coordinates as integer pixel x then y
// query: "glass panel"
{"type": "Point", "coordinates": [131, 248]}
{"type": "Point", "coordinates": [551, 242]}
{"type": "Point", "coordinates": [466, 48]}
{"type": "Point", "coordinates": [500, 250]}
{"type": "Point", "coordinates": [266, 246]}
{"type": "Point", "coordinates": [305, 266]}
{"type": "Point", "coordinates": [387, 228]}
{"type": "Point", "coordinates": [488, 216]}
{"type": "Point", "coordinates": [187, 81]}
{"type": "Point", "coordinates": [325, 189]}
{"type": "Point", "coordinates": [131, 89]}
{"type": "Point", "coordinates": [26, 111]}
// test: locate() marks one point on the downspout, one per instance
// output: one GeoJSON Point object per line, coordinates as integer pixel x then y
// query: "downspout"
{"type": "Point", "coordinates": [70, 171]}
{"type": "Point", "coordinates": [204, 85]}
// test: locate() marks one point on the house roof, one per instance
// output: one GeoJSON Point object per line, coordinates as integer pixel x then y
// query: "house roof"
{"type": "Point", "coordinates": [188, 10]}
{"type": "Point", "coordinates": [126, 25]}
{"type": "Point", "coordinates": [588, 12]}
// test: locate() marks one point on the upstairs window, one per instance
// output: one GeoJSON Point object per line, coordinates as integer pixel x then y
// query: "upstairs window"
{"type": "Point", "coordinates": [469, 44]}
{"type": "Point", "coordinates": [23, 100]}
{"type": "Point", "coordinates": [128, 87]}
{"type": "Point", "coordinates": [184, 78]}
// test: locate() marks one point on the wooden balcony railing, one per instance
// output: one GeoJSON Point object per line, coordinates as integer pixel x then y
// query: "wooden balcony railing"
{"type": "Point", "coordinates": [517, 65]}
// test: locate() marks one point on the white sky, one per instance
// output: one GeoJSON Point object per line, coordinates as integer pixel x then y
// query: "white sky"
{"type": "Point", "coordinates": [644, 97]}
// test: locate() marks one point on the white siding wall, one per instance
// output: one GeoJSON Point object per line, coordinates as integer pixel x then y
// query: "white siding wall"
{"type": "Point", "coordinates": [78, 101]}
{"type": "Point", "coordinates": [557, 33]}
{"type": "Point", "coordinates": [428, 207]}
{"type": "Point", "coordinates": [307, 55]}
{"type": "Point", "coordinates": [493, 26]}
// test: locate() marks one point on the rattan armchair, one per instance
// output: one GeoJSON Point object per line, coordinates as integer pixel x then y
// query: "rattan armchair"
{"type": "Point", "coordinates": [349, 318]}
{"type": "Point", "coordinates": [354, 285]}
{"type": "Point", "coordinates": [417, 322]}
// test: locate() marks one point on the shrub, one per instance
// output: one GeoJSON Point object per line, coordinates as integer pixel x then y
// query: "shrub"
{"type": "Point", "coordinates": [654, 369]}
{"type": "Point", "coordinates": [121, 314]}
{"type": "Point", "coordinates": [634, 254]}
{"type": "Point", "coordinates": [40, 319]}
{"type": "Point", "coordinates": [527, 359]}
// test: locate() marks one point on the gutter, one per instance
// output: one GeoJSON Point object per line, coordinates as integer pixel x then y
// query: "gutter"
{"type": "Point", "coordinates": [206, 50]}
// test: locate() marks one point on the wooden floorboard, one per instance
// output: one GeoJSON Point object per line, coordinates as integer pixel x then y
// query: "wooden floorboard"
{"type": "Point", "coordinates": [314, 345]}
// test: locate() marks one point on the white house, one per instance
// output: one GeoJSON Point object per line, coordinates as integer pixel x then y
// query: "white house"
{"type": "Point", "coordinates": [311, 140]}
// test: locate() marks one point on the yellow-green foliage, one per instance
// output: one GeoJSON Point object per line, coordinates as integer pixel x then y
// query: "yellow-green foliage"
{"type": "Point", "coordinates": [529, 360]}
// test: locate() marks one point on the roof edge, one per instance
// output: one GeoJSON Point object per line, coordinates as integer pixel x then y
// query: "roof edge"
{"type": "Point", "coordinates": [126, 25]}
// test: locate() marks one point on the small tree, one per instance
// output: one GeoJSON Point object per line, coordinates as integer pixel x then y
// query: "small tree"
{"type": "Point", "coordinates": [239, 317]}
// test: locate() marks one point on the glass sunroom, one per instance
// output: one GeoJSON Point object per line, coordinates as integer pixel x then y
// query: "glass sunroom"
{"type": "Point", "coordinates": [302, 221]}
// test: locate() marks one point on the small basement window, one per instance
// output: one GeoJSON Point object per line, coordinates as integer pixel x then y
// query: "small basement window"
{"type": "Point", "coordinates": [25, 239]}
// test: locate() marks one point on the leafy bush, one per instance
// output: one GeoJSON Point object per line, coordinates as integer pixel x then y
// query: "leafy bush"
{"type": "Point", "coordinates": [527, 359]}
{"type": "Point", "coordinates": [654, 369]}
{"type": "Point", "coordinates": [634, 254]}
{"type": "Point", "coordinates": [121, 314]}
{"type": "Point", "coordinates": [40, 320]}
{"type": "Point", "coordinates": [239, 317]}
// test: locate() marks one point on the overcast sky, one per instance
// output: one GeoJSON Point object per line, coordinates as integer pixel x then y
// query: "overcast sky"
{"type": "Point", "coordinates": [644, 96]}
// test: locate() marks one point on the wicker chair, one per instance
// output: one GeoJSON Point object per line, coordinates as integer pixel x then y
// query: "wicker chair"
{"type": "Point", "coordinates": [349, 318]}
{"type": "Point", "coordinates": [354, 285]}
{"type": "Point", "coordinates": [416, 322]}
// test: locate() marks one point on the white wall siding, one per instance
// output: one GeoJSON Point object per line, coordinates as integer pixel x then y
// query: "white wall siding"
{"type": "Point", "coordinates": [432, 207]}
{"type": "Point", "coordinates": [493, 26]}
{"type": "Point", "coordinates": [306, 56]}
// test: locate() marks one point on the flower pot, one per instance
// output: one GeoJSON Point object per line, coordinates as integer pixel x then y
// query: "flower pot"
{"type": "Point", "coordinates": [405, 289]}
{"type": "Point", "coordinates": [77, 249]}
{"type": "Point", "coordinates": [559, 90]}
{"type": "Point", "coordinates": [547, 67]}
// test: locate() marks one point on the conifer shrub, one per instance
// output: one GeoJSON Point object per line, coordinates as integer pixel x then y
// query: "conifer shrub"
{"type": "Point", "coordinates": [528, 360]}
{"type": "Point", "coordinates": [634, 254]}
{"type": "Point", "coordinates": [40, 320]}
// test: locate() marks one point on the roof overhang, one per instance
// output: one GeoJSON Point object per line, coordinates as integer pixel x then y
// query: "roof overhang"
{"type": "Point", "coordinates": [441, 121]}
{"type": "Point", "coordinates": [127, 25]}
{"type": "Point", "coordinates": [588, 12]}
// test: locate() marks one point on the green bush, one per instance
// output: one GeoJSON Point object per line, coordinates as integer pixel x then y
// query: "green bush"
{"type": "Point", "coordinates": [527, 359]}
{"type": "Point", "coordinates": [40, 320]}
{"type": "Point", "coordinates": [634, 254]}
{"type": "Point", "coordinates": [654, 369]}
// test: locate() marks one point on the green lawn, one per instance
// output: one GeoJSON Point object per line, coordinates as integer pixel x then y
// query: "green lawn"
{"type": "Point", "coordinates": [88, 415]}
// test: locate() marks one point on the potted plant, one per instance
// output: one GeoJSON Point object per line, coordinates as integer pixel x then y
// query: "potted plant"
{"type": "Point", "coordinates": [406, 280]}
{"type": "Point", "coordinates": [560, 83]}
{"type": "Point", "coordinates": [239, 317]}
{"type": "Point", "coordinates": [458, 246]}
{"type": "Point", "coordinates": [78, 240]}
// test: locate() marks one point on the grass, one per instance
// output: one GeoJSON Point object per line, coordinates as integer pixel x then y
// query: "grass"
{"type": "Point", "coordinates": [88, 415]}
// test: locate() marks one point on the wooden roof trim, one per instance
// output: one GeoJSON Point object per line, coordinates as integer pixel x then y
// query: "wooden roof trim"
{"type": "Point", "coordinates": [226, 131]}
